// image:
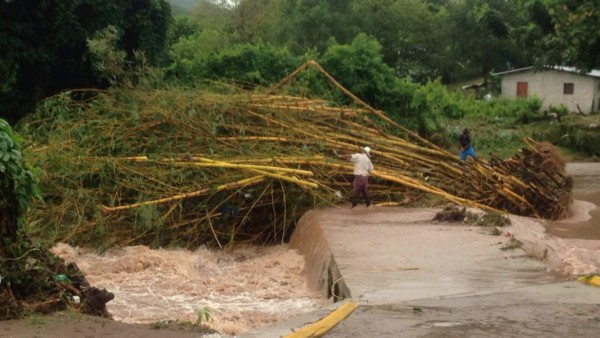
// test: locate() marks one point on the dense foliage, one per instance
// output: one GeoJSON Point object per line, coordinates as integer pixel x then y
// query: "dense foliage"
{"type": "Point", "coordinates": [568, 31]}
{"type": "Point", "coordinates": [43, 44]}
{"type": "Point", "coordinates": [48, 46]}
{"type": "Point", "coordinates": [247, 64]}
{"type": "Point", "coordinates": [18, 183]}
{"type": "Point", "coordinates": [22, 263]}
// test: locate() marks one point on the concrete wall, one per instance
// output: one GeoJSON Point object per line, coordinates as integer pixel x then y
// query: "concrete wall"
{"type": "Point", "coordinates": [322, 272]}
{"type": "Point", "coordinates": [548, 86]}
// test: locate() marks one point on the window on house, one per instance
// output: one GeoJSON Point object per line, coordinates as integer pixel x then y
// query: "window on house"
{"type": "Point", "coordinates": [522, 89]}
{"type": "Point", "coordinates": [568, 88]}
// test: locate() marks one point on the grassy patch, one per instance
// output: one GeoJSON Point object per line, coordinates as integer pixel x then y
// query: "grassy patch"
{"type": "Point", "coordinates": [36, 320]}
{"type": "Point", "coordinates": [502, 136]}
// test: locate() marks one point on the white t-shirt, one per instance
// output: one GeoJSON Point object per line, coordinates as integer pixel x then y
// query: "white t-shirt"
{"type": "Point", "coordinates": [362, 164]}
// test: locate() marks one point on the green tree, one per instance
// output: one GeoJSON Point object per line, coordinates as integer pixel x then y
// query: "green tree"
{"type": "Point", "coordinates": [360, 68]}
{"type": "Point", "coordinates": [479, 38]}
{"type": "Point", "coordinates": [208, 29]}
{"type": "Point", "coordinates": [43, 44]}
{"type": "Point", "coordinates": [18, 188]}
{"type": "Point", "coordinates": [575, 37]}
{"type": "Point", "coordinates": [560, 32]}
{"type": "Point", "coordinates": [309, 24]}
{"type": "Point", "coordinates": [247, 64]}
{"type": "Point", "coordinates": [145, 25]}
{"type": "Point", "coordinates": [258, 20]}
{"type": "Point", "coordinates": [410, 32]}
{"type": "Point", "coordinates": [251, 64]}
{"type": "Point", "coordinates": [182, 26]}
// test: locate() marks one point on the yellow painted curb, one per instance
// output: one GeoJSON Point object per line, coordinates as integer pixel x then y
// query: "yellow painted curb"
{"type": "Point", "coordinates": [321, 327]}
{"type": "Point", "coordinates": [591, 280]}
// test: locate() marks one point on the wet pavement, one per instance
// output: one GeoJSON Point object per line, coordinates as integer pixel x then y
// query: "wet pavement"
{"type": "Point", "coordinates": [414, 278]}
{"type": "Point", "coordinates": [388, 255]}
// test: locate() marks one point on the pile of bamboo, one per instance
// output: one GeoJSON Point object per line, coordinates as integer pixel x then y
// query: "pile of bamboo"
{"type": "Point", "coordinates": [187, 167]}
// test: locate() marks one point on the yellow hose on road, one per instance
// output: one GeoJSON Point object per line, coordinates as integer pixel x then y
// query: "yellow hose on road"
{"type": "Point", "coordinates": [321, 327]}
{"type": "Point", "coordinates": [590, 280]}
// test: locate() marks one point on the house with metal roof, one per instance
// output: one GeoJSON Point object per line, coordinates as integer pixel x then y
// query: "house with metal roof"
{"type": "Point", "coordinates": [579, 92]}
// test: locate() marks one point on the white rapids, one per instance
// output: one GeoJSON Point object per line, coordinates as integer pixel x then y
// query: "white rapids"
{"type": "Point", "coordinates": [242, 289]}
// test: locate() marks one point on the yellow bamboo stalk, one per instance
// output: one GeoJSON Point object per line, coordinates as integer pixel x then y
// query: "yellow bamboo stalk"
{"type": "Point", "coordinates": [539, 191]}
{"type": "Point", "coordinates": [521, 199]}
{"type": "Point", "coordinates": [513, 180]}
{"type": "Point", "coordinates": [227, 186]}
{"type": "Point", "coordinates": [290, 76]}
{"type": "Point", "coordinates": [348, 146]}
{"type": "Point", "coordinates": [272, 175]}
{"type": "Point", "coordinates": [418, 185]}
{"type": "Point", "coordinates": [291, 159]}
{"type": "Point", "coordinates": [253, 138]}
{"type": "Point", "coordinates": [133, 158]}
{"type": "Point", "coordinates": [405, 144]}
{"type": "Point", "coordinates": [388, 204]}
{"type": "Point", "coordinates": [379, 113]}
{"type": "Point", "coordinates": [219, 164]}
{"type": "Point", "coordinates": [312, 108]}
{"type": "Point", "coordinates": [281, 159]}
{"type": "Point", "coordinates": [409, 182]}
{"type": "Point", "coordinates": [269, 98]}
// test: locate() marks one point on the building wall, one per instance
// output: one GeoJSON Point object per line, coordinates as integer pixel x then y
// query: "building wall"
{"type": "Point", "coordinates": [597, 94]}
{"type": "Point", "coordinates": [548, 86]}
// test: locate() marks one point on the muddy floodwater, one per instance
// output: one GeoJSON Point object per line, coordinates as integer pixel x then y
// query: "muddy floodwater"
{"type": "Point", "coordinates": [585, 222]}
{"type": "Point", "coordinates": [242, 289]}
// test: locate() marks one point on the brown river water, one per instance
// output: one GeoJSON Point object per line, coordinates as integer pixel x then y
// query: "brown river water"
{"type": "Point", "coordinates": [585, 222]}
{"type": "Point", "coordinates": [243, 289]}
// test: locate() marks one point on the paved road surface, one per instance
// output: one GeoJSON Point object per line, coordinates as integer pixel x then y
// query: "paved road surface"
{"type": "Point", "coordinates": [414, 278]}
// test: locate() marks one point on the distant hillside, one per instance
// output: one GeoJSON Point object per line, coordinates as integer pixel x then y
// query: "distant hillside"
{"type": "Point", "coordinates": [183, 6]}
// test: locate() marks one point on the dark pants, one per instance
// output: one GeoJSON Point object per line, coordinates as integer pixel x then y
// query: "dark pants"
{"type": "Point", "coordinates": [360, 189]}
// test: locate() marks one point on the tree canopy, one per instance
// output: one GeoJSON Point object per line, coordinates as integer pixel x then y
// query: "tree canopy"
{"type": "Point", "coordinates": [45, 44]}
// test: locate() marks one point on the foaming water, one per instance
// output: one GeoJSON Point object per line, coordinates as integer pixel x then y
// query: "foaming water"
{"type": "Point", "coordinates": [243, 289]}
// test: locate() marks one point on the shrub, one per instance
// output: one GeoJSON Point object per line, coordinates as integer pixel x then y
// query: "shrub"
{"type": "Point", "coordinates": [249, 64]}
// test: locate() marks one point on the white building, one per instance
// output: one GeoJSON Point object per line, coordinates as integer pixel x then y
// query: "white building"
{"type": "Point", "coordinates": [554, 86]}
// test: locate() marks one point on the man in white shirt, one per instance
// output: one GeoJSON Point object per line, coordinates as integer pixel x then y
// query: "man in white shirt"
{"type": "Point", "coordinates": [362, 168]}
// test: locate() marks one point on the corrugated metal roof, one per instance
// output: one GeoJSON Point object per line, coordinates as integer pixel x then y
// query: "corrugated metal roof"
{"type": "Point", "coordinates": [593, 72]}
{"type": "Point", "coordinates": [513, 71]}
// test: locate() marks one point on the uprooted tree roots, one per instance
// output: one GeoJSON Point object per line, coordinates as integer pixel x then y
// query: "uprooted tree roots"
{"type": "Point", "coordinates": [187, 167]}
